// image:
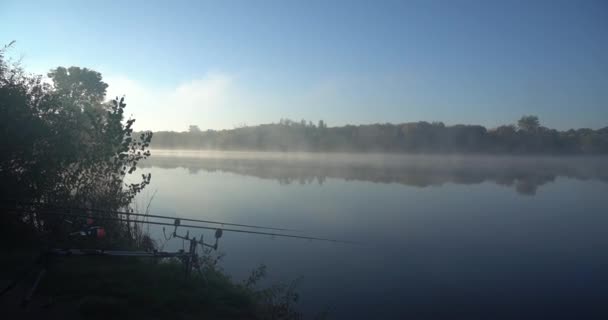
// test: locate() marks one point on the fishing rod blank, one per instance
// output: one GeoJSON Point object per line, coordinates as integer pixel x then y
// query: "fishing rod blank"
{"type": "Point", "coordinates": [163, 217]}
{"type": "Point", "coordinates": [117, 253]}
{"type": "Point", "coordinates": [283, 235]}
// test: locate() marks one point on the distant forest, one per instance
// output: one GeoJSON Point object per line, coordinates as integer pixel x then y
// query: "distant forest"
{"type": "Point", "coordinates": [528, 136]}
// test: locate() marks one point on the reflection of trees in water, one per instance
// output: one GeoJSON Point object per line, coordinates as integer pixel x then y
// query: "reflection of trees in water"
{"type": "Point", "coordinates": [527, 184]}
{"type": "Point", "coordinates": [526, 175]}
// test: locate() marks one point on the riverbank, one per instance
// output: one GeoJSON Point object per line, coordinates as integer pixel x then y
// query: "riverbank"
{"type": "Point", "coordinates": [110, 287]}
{"type": "Point", "coordinates": [123, 288]}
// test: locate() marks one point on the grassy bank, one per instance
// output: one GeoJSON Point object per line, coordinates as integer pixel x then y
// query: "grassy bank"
{"type": "Point", "coordinates": [97, 287]}
{"type": "Point", "coordinates": [102, 287]}
{"type": "Point", "coordinates": [124, 288]}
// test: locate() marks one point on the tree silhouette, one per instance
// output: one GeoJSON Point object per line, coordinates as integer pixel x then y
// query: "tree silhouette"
{"type": "Point", "coordinates": [194, 129]}
{"type": "Point", "coordinates": [83, 85]}
{"type": "Point", "coordinates": [528, 123]}
{"type": "Point", "coordinates": [63, 144]}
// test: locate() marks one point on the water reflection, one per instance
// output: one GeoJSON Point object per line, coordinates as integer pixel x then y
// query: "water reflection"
{"type": "Point", "coordinates": [457, 251]}
{"type": "Point", "coordinates": [525, 174]}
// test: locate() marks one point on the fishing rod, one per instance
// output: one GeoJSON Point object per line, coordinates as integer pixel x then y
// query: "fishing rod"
{"type": "Point", "coordinates": [190, 258]}
{"type": "Point", "coordinates": [117, 253]}
{"type": "Point", "coordinates": [177, 223]}
{"type": "Point", "coordinates": [160, 217]}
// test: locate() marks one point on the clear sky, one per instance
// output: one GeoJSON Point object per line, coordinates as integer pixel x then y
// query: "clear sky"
{"type": "Point", "coordinates": [221, 64]}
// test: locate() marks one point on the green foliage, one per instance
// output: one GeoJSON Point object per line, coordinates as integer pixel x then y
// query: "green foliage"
{"type": "Point", "coordinates": [63, 144]}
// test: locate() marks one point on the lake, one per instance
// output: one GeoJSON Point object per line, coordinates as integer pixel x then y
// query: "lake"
{"type": "Point", "coordinates": [442, 236]}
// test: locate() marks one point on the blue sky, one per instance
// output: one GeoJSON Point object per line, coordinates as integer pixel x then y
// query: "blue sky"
{"type": "Point", "coordinates": [222, 64]}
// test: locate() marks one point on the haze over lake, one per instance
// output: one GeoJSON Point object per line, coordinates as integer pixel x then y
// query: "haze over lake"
{"type": "Point", "coordinates": [353, 159]}
{"type": "Point", "coordinates": [477, 235]}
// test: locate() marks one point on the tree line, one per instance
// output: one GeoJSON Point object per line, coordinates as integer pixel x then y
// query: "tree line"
{"type": "Point", "coordinates": [528, 136]}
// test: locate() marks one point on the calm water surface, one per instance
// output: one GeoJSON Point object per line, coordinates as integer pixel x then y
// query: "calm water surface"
{"type": "Point", "coordinates": [444, 236]}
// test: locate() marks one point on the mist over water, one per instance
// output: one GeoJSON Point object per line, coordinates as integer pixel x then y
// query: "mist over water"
{"type": "Point", "coordinates": [523, 173]}
{"type": "Point", "coordinates": [459, 149]}
{"type": "Point", "coordinates": [458, 236]}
